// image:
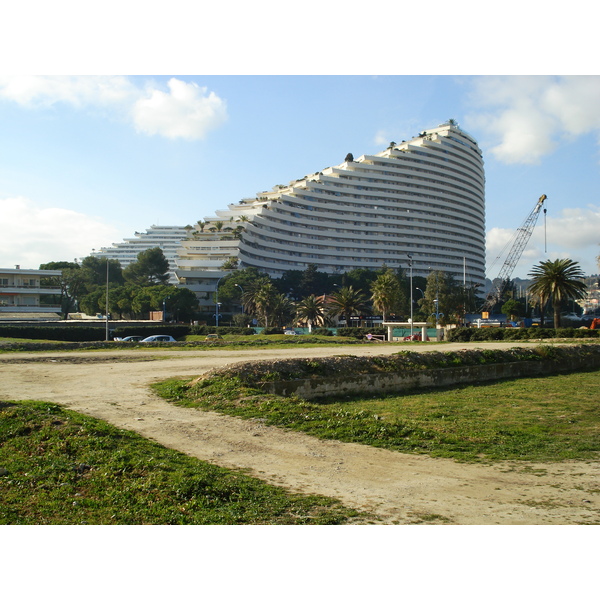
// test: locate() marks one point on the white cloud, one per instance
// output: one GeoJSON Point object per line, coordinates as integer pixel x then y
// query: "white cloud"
{"type": "Point", "coordinates": [184, 111]}
{"type": "Point", "coordinates": [32, 235]}
{"type": "Point", "coordinates": [41, 91]}
{"type": "Point", "coordinates": [381, 138]}
{"type": "Point", "coordinates": [523, 118]}
{"type": "Point", "coordinates": [572, 234]}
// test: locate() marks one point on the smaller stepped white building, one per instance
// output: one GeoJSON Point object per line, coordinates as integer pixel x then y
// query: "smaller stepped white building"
{"type": "Point", "coordinates": [165, 237]}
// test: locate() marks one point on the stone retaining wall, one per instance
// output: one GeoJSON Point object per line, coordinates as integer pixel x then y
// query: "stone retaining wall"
{"type": "Point", "coordinates": [413, 379]}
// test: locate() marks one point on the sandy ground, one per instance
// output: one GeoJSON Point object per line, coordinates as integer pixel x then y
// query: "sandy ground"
{"type": "Point", "coordinates": [398, 488]}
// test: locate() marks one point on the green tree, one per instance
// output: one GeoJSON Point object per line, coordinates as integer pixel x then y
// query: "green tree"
{"type": "Point", "coordinates": [514, 309]}
{"type": "Point", "coordinates": [557, 281]}
{"type": "Point", "coordinates": [259, 299]}
{"type": "Point", "coordinates": [150, 268]}
{"type": "Point", "coordinates": [359, 279]}
{"type": "Point", "coordinates": [442, 301]}
{"type": "Point", "coordinates": [237, 282]}
{"type": "Point", "coordinates": [312, 282]}
{"type": "Point", "coordinates": [282, 310]}
{"type": "Point", "coordinates": [346, 303]}
{"type": "Point", "coordinates": [311, 310]}
{"type": "Point", "coordinates": [72, 283]}
{"type": "Point", "coordinates": [230, 264]}
{"type": "Point", "coordinates": [386, 293]}
{"type": "Point", "coordinates": [94, 269]}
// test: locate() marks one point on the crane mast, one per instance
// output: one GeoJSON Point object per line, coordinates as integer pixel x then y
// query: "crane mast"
{"type": "Point", "coordinates": [523, 234]}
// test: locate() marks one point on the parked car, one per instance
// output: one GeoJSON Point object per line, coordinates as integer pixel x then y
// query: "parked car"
{"type": "Point", "coordinates": [291, 332]}
{"type": "Point", "coordinates": [212, 337]}
{"type": "Point", "coordinates": [130, 338]}
{"type": "Point", "coordinates": [159, 338]}
{"type": "Point", "coordinates": [415, 337]}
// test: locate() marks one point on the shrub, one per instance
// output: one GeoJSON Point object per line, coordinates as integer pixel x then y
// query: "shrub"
{"type": "Point", "coordinates": [65, 333]}
{"type": "Point", "coordinates": [473, 334]}
{"type": "Point", "coordinates": [322, 331]}
{"type": "Point", "coordinates": [272, 330]}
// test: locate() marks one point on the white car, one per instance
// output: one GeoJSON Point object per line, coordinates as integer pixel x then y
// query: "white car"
{"type": "Point", "coordinates": [130, 338]}
{"type": "Point", "coordinates": [159, 338]}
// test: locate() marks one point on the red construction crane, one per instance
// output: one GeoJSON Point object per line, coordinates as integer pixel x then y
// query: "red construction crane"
{"type": "Point", "coordinates": [523, 234]}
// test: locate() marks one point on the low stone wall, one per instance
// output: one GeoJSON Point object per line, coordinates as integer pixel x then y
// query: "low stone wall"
{"type": "Point", "coordinates": [413, 379]}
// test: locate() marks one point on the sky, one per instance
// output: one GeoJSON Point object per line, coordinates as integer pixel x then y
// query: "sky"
{"type": "Point", "coordinates": [87, 160]}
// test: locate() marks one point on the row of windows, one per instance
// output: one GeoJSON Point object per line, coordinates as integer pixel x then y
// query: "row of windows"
{"type": "Point", "coordinates": [259, 261]}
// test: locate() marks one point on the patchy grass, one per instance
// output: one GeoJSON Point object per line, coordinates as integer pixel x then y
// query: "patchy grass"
{"type": "Point", "coordinates": [60, 467]}
{"type": "Point", "coordinates": [535, 419]}
{"type": "Point", "coordinates": [228, 343]}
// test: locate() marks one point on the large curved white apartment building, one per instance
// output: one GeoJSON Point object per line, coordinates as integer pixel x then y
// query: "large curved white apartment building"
{"type": "Point", "coordinates": [423, 197]}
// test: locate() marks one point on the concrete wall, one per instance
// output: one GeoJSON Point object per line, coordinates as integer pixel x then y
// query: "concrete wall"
{"type": "Point", "coordinates": [412, 379]}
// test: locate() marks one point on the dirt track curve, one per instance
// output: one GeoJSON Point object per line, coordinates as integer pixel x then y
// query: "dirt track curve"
{"type": "Point", "coordinates": [399, 488]}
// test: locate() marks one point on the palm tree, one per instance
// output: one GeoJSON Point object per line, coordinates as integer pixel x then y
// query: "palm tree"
{"type": "Point", "coordinates": [347, 302]}
{"type": "Point", "coordinates": [282, 309]}
{"type": "Point", "coordinates": [558, 280]}
{"type": "Point", "coordinates": [386, 294]}
{"type": "Point", "coordinates": [258, 300]}
{"type": "Point", "coordinates": [311, 310]}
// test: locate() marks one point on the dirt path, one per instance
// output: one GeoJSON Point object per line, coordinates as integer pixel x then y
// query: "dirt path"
{"type": "Point", "coordinates": [400, 488]}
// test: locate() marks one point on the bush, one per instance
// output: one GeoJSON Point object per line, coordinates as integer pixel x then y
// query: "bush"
{"type": "Point", "coordinates": [272, 331]}
{"type": "Point", "coordinates": [223, 330]}
{"type": "Point", "coordinates": [322, 331]}
{"type": "Point", "coordinates": [473, 334]}
{"type": "Point", "coordinates": [70, 333]}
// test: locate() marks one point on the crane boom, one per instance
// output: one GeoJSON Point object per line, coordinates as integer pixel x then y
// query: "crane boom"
{"type": "Point", "coordinates": [523, 234]}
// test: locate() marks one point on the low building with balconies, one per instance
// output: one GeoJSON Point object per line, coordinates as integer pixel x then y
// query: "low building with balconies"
{"type": "Point", "coordinates": [23, 293]}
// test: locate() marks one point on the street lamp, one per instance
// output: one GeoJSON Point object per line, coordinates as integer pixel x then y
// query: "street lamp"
{"type": "Point", "coordinates": [217, 300]}
{"type": "Point", "coordinates": [165, 308]}
{"type": "Point", "coordinates": [241, 300]}
{"type": "Point", "coordinates": [437, 312]}
{"type": "Point", "coordinates": [106, 307]}
{"type": "Point", "coordinates": [410, 264]}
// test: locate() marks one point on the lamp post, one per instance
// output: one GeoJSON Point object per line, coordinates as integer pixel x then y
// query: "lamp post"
{"type": "Point", "coordinates": [241, 302]}
{"type": "Point", "coordinates": [165, 308]}
{"type": "Point", "coordinates": [106, 306]}
{"type": "Point", "coordinates": [217, 300]}
{"type": "Point", "coordinates": [410, 265]}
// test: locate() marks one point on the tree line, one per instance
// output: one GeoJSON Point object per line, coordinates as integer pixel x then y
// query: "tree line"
{"type": "Point", "coordinates": [133, 292]}
{"type": "Point", "coordinates": [306, 298]}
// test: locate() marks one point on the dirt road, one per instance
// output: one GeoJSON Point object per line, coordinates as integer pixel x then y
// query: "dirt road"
{"type": "Point", "coordinates": [399, 488]}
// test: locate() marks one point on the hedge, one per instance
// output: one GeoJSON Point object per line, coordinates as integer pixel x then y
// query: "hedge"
{"type": "Point", "coordinates": [474, 334]}
{"type": "Point", "coordinates": [76, 333]}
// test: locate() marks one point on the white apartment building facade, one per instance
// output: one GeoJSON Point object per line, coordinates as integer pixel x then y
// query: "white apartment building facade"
{"type": "Point", "coordinates": [20, 293]}
{"type": "Point", "coordinates": [423, 198]}
{"type": "Point", "coordinates": [165, 237]}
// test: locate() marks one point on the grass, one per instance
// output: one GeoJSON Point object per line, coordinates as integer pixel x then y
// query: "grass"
{"type": "Point", "coordinates": [60, 467]}
{"type": "Point", "coordinates": [195, 343]}
{"type": "Point", "coordinates": [535, 419]}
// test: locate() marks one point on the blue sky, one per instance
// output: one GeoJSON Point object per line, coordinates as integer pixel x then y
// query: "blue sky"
{"type": "Point", "coordinates": [87, 160]}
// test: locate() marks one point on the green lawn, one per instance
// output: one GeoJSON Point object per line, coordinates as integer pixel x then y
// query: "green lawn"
{"type": "Point", "coordinates": [60, 467]}
{"type": "Point", "coordinates": [538, 419]}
